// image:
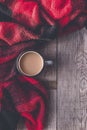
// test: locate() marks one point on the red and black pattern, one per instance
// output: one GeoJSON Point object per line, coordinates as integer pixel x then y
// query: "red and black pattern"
{"type": "Point", "coordinates": [22, 23]}
{"type": "Point", "coordinates": [23, 95]}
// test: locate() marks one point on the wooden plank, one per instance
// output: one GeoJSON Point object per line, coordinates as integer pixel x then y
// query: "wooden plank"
{"type": "Point", "coordinates": [72, 82]}
{"type": "Point", "coordinates": [48, 75]}
{"type": "Point", "coordinates": [51, 122]}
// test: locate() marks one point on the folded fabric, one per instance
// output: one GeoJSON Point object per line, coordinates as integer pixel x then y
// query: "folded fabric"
{"type": "Point", "coordinates": [19, 94]}
{"type": "Point", "coordinates": [8, 120]}
{"type": "Point", "coordinates": [22, 24]}
{"type": "Point", "coordinates": [34, 19]}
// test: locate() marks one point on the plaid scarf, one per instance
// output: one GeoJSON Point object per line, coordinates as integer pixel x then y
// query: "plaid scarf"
{"type": "Point", "coordinates": [22, 24]}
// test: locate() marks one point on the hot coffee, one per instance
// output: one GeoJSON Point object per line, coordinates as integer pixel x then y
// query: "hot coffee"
{"type": "Point", "coordinates": [30, 63]}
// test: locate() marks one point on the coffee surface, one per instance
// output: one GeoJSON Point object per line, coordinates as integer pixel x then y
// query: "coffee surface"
{"type": "Point", "coordinates": [31, 63]}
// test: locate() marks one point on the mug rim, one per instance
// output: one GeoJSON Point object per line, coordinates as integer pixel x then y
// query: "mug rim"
{"type": "Point", "coordinates": [19, 59]}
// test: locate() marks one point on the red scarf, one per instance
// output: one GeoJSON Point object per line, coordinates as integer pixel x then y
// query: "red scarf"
{"type": "Point", "coordinates": [21, 23]}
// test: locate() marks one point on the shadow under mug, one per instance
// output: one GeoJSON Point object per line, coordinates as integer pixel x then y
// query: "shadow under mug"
{"type": "Point", "coordinates": [31, 63]}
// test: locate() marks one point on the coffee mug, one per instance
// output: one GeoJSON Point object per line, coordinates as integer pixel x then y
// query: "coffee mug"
{"type": "Point", "coordinates": [31, 63]}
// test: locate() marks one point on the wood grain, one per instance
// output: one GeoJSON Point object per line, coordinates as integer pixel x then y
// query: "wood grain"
{"type": "Point", "coordinates": [51, 123]}
{"type": "Point", "coordinates": [72, 82]}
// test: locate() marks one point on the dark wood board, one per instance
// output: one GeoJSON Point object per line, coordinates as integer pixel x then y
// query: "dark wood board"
{"type": "Point", "coordinates": [72, 82]}
{"type": "Point", "coordinates": [48, 51]}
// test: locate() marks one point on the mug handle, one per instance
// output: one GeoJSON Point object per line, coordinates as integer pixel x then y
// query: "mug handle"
{"type": "Point", "coordinates": [48, 62]}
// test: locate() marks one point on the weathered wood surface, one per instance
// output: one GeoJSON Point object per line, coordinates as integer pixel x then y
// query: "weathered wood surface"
{"type": "Point", "coordinates": [72, 82]}
{"type": "Point", "coordinates": [51, 123]}
{"type": "Point", "coordinates": [48, 75]}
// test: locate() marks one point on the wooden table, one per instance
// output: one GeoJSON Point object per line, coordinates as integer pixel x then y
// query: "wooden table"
{"type": "Point", "coordinates": [68, 93]}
